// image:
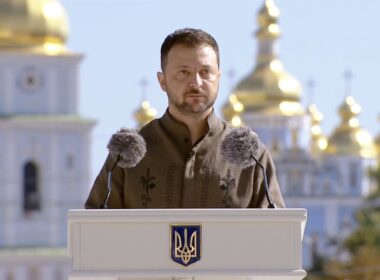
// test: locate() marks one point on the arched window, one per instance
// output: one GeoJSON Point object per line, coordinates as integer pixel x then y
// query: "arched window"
{"type": "Point", "coordinates": [31, 188]}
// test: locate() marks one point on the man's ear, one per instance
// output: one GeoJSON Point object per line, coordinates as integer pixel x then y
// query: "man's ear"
{"type": "Point", "coordinates": [161, 80]}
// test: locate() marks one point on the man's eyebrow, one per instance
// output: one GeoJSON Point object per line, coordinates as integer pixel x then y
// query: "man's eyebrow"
{"type": "Point", "coordinates": [182, 66]}
{"type": "Point", "coordinates": [208, 66]}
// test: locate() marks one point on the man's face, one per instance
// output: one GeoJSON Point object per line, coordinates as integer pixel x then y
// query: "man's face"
{"type": "Point", "coordinates": [190, 79]}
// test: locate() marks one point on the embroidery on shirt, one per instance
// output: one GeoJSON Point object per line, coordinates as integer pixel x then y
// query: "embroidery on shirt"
{"type": "Point", "coordinates": [169, 192]}
{"type": "Point", "coordinates": [227, 184]}
{"type": "Point", "coordinates": [147, 184]}
{"type": "Point", "coordinates": [205, 173]}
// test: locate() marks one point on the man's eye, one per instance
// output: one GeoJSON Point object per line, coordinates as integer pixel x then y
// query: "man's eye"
{"type": "Point", "coordinates": [183, 72]}
{"type": "Point", "coordinates": [205, 73]}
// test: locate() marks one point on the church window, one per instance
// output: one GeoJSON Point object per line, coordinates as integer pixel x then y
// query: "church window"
{"type": "Point", "coordinates": [70, 161]}
{"type": "Point", "coordinates": [59, 275]}
{"type": "Point", "coordinates": [353, 175]}
{"type": "Point", "coordinates": [31, 187]}
{"type": "Point", "coordinates": [295, 182]}
{"type": "Point", "coordinates": [326, 186]}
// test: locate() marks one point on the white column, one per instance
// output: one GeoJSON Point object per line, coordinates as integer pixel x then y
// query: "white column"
{"type": "Point", "coordinates": [85, 164]}
{"type": "Point", "coordinates": [47, 272]}
{"type": "Point", "coordinates": [21, 272]}
{"type": "Point", "coordinates": [73, 89]}
{"type": "Point", "coordinates": [11, 189]}
{"type": "Point", "coordinates": [331, 218]}
{"type": "Point", "coordinates": [52, 184]}
{"type": "Point", "coordinates": [51, 90]}
{"type": "Point", "coordinates": [308, 181]}
{"type": "Point", "coordinates": [9, 85]}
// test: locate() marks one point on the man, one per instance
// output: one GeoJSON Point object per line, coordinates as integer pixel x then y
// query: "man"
{"type": "Point", "coordinates": [183, 166]}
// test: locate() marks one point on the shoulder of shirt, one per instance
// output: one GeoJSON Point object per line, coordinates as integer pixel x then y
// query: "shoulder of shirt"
{"type": "Point", "coordinates": [148, 127]}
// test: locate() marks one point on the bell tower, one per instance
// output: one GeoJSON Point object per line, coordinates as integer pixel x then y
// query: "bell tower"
{"type": "Point", "coordinates": [44, 141]}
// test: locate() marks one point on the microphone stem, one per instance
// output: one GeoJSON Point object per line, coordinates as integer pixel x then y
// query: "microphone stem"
{"type": "Point", "coordinates": [109, 184]}
{"type": "Point", "coordinates": [266, 186]}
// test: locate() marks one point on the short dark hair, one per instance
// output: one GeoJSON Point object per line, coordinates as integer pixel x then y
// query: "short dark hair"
{"type": "Point", "coordinates": [189, 37]}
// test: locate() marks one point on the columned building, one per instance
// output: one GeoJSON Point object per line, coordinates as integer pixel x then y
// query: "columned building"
{"type": "Point", "coordinates": [326, 175]}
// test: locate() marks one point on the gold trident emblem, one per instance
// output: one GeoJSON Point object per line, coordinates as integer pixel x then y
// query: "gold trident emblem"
{"type": "Point", "coordinates": [188, 250]}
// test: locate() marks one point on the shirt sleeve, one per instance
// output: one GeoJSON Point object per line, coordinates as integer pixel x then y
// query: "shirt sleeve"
{"type": "Point", "coordinates": [261, 201]}
{"type": "Point", "coordinates": [99, 190]}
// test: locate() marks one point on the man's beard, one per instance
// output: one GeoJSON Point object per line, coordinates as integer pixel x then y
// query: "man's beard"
{"type": "Point", "coordinates": [192, 108]}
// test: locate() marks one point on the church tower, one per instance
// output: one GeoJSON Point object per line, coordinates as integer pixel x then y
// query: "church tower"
{"type": "Point", "coordinates": [44, 142]}
{"type": "Point", "coordinates": [268, 98]}
{"type": "Point", "coordinates": [326, 175]}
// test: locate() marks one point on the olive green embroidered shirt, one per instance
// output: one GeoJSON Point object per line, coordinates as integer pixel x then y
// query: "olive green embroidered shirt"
{"type": "Point", "coordinates": [175, 174]}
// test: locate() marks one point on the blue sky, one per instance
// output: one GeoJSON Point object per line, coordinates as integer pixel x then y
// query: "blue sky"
{"type": "Point", "coordinates": [320, 40]}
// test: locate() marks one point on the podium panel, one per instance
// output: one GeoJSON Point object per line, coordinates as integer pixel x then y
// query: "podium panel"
{"type": "Point", "coordinates": [143, 244]}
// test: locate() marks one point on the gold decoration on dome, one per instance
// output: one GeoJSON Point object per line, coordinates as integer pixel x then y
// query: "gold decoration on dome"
{"type": "Point", "coordinates": [349, 138]}
{"type": "Point", "coordinates": [232, 111]}
{"type": "Point", "coordinates": [33, 24]}
{"type": "Point", "coordinates": [267, 19]}
{"type": "Point", "coordinates": [145, 114]}
{"type": "Point", "coordinates": [268, 89]}
{"type": "Point", "coordinates": [377, 142]}
{"type": "Point", "coordinates": [318, 140]}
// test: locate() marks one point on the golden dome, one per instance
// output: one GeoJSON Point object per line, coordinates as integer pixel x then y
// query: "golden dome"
{"type": "Point", "coordinates": [232, 110]}
{"type": "Point", "coordinates": [145, 114]}
{"type": "Point", "coordinates": [267, 20]}
{"type": "Point", "coordinates": [30, 23]}
{"type": "Point", "coordinates": [269, 89]}
{"type": "Point", "coordinates": [377, 144]}
{"type": "Point", "coordinates": [318, 140]}
{"type": "Point", "coordinates": [349, 138]}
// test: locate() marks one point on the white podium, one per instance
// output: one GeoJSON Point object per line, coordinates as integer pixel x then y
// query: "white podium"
{"type": "Point", "coordinates": [232, 244]}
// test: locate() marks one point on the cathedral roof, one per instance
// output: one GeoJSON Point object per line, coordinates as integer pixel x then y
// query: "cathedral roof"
{"type": "Point", "coordinates": [377, 143]}
{"type": "Point", "coordinates": [319, 140]}
{"type": "Point", "coordinates": [268, 88]}
{"type": "Point", "coordinates": [349, 138]}
{"type": "Point", "coordinates": [145, 113]}
{"type": "Point", "coordinates": [31, 23]}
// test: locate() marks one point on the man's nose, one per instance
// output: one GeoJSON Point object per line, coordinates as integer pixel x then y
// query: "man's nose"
{"type": "Point", "coordinates": [195, 81]}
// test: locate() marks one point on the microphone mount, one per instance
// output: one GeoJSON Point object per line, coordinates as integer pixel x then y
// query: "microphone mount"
{"type": "Point", "coordinates": [104, 205]}
{"type": "Point", "coordinates": [267, 194]}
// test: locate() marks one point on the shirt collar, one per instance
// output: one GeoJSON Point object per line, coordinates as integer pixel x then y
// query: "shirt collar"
{"type": "Point", "coordinates": [180, 131]}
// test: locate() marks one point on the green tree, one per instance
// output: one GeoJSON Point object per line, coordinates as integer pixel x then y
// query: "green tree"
{"type": "Point", "coordinates": [363, 245]}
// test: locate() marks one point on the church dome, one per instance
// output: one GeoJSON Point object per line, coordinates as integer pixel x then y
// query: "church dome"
{"type": "Point", "coordinates": [318, 139]}
{"type": "Point", "coordinates": [145, 114]}
{"type": "Point", "coordinates": [268, 89]}
{"type": "Point", "coordinates": [349, 138]}
{"type": "Point", "coordinates": [377, 143]}
{"type": "Point", "coordinates": [29, 23]}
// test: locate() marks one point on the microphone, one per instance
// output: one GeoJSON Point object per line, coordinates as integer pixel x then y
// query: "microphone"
{"type": "Point", "coordinates": [242, 146]}
{"type": "Point", "coordinates": [128, 148]}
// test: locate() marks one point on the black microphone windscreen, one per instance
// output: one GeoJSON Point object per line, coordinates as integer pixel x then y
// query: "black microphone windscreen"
{"type": "Point", "coordinates": [129, 145]}
{"type": "Point", "coordinates": [240, 146]}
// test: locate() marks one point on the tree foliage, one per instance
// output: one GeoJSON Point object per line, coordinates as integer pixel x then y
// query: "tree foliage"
{"type": "Point", "coordinates": [363, 245]}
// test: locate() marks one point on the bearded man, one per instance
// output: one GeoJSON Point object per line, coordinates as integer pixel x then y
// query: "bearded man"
{"type": "Point", "coordinates": [183, 166]}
